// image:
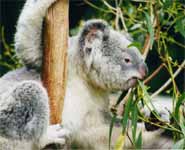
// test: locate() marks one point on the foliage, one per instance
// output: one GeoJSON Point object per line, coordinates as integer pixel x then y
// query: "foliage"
{"type": "Point", "coordinates": [158, 26]}
{"type": "Point", "coordinates": [8, 60]}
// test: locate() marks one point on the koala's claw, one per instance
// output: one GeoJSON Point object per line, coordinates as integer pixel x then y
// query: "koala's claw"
{"type": "Point", "coordinates": [56, 135]}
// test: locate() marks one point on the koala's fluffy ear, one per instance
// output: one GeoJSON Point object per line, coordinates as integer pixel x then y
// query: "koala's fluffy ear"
{"type": "Point", "coordinates": [94, 32]}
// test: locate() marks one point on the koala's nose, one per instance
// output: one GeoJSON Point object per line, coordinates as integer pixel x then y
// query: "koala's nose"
{"type": "Point", "coordinates": [143, 70]}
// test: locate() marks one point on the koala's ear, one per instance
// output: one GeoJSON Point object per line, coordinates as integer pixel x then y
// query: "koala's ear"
{"type": "Point", "coordinates": [93, 30]}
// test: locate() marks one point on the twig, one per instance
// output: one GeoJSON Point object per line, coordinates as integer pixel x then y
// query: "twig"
{"type": "Point", "coordinates": [120, 2]}
{"type": "Point", "coordinates": [147, 44]}
{"type": "Point", "coordinates": [100, 9]}
{"type": "Point", "coordinates": [116, 3]}
{"type": "Point", "coordinates": [108, 5]}
{"type": "Point", "coordinates": [177, 89]}
{"type": "Point", "coordinates": [122, 19]}
{"type": "Point", "coordinates": [154, 73]}
{"type": "Point", "coordinates": [117, 20]}
{"type": "Point", "coordinates": [145, 1]}
{"type": "Point", "coordinates": [3, 39]}
{"type": "Point", "coordinates": [157, 25]}
{"type": "Point", "coordinates": [146, 47]}
{"type": "Point", "coordinates": [175, 42]}
{"type": "Point", "coordinates": [125, 99]}
{"type": "Point", "coordinates": [129, 137]}
{"type": "Point", "coordinates": [169, 80]}
{"type": "Point", "coordinates": [158, 125]}
{"type": "Point", "coordinates": [120, 107]}
{"type": "Point", "coordinates": [170, 70]}
{"type": "Point", "coordinates": [6, 65]}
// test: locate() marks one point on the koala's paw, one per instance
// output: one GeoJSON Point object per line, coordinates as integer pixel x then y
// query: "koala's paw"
{"type": "Point", "coordinates": [44, 3]}
{"type": "Point", "coordinates": [49, 2]}
{"type": "Point", "coordinates": [164, 117]}
{"type": "Point", "coordinates": [55, 138]}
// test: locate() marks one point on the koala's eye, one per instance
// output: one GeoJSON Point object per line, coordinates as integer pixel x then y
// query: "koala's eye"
{"type": "Point", "coordinates": [127, 60]}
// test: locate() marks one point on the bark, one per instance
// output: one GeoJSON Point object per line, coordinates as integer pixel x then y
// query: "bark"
{"type": "Point", "coordinates": [54, 71]}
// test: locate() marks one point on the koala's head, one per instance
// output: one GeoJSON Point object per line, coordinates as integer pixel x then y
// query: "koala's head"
{"type": "Point", "coordinates": [106, 59]}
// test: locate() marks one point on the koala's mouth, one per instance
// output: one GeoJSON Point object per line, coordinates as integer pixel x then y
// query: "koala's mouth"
{"type": "Point", "coordinates": [132, 82]}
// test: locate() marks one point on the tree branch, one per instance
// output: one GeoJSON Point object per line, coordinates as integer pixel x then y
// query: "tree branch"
{"type": "Point", "coordinates": [55, 57]}
{"type": "Point", "coordinates": [169, 80]}
{"type": "Point", "coordinates": [154, 73]}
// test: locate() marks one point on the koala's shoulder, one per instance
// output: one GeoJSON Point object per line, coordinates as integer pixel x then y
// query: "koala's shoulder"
{"type": "Point", "coordinates": [21, 74]}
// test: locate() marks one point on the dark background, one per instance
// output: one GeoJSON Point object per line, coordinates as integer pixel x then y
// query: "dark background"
{"type": "Point", "coordinates": [10, 10]}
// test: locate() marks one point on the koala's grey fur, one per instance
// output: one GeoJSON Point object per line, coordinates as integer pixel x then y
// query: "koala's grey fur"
{"type": "Point", "coordinates": [99, 62]}
{"type": "Point", "coordinates": [24, 111]}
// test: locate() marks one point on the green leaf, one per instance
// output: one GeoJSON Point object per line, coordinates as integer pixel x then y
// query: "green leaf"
{"type": "Point", "coordinates": [180, 144]}
{"type": "Point", "coordinates": [146, 97]}
{"type": "Point", "coordinates": [134, 121]}
{"type": "Point", "coordinates": [167, 3]}
{"type": "Point", "coordinates": [120, 142]}
{"type": "Point", "coordinates": [126, 113]}
{"type": "Point", "coordinates": [183, 128]}
{"type": "Point", "coordinates": [139, 141]}
{"type": "Point", "coordinates": [136, 44]}
{"type": "Point", "coordinates": [181, 99]}
{"type": "Point", "coordinates": [110, 130]}
{"type": "Point", "coordinates": [150, 29]}
{"type": "Point", "coordinates": [180, 26]}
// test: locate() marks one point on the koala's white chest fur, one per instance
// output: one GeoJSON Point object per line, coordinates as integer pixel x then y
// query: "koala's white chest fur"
{"type": "Point", "coordinates": [83, 105]}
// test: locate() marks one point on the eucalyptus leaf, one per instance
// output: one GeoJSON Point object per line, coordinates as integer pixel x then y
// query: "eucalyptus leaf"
{"type": "Point", "coordinates": [136, 44]}
{"type": "Point", "coordinates": [180, 100]}
{"type": "Point", "coordinates": [150, 28]}
{"type": "Point", "coordinates": [120, 142]}
{"type": "Point", "coordinates": [139, 141]}
{"type": "Point", "coordinates": [126, 113]}
{"type": "Point", "coordinates": [134, 121]}
{"type": "Point", "coordinates": [110, 129]}
{"type": "Point", "coordinates": [167, 3]}
{"type": "Point", "coordinates": [146, 97]}
{"type": "Point", "coordinates": [180, 26]}
{"type": "Point", "coordinates": [182, 125]}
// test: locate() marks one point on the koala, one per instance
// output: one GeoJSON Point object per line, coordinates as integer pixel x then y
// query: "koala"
{"type": "Point", "coordinates": [100, 62]}
{"type": "Point", "coordinates": [24, 109]}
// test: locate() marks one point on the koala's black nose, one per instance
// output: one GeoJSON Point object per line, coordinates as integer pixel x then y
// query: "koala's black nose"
{"type": "Point", "coordinates": [143, 70]}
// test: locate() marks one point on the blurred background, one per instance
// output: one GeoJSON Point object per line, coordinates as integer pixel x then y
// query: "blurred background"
{"type": "Point", "coordinates": [170, 43]}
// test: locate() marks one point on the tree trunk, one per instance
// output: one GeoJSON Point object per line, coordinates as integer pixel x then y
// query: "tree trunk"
{"type": "Point", "coordinates": [54, 72]}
